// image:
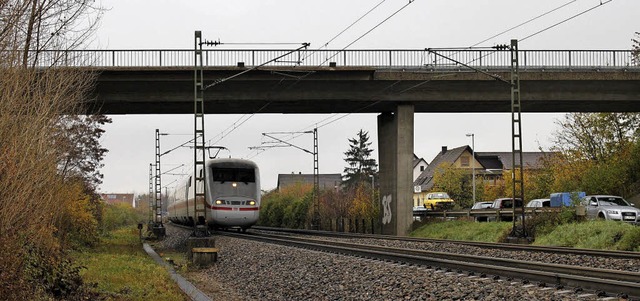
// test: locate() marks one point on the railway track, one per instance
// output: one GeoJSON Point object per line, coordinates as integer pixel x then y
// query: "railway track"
{"type": "Point", "coordinates": [501, 246]}
{"type": "Point", "coordinates": [622, 283]}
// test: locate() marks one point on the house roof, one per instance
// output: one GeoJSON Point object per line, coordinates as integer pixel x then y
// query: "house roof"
{"type": "Point", "coordinates": [503, 160]}
{"type": "Point", "coordinates": [327, 181]}
{"type": "Point", "coordinates": [425, 179]}
{"type": "Point", "coordinates": [417, 161]}
{"type": "Point", "coordinates": [488, 160]}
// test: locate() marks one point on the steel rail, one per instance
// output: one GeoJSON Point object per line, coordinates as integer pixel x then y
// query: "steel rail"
{"type": "Point", "coordinates": [619, 282]}
{"type": "Point", "coordinates": [501, 246]}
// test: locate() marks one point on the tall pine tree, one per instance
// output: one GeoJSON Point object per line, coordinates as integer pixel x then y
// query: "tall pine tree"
{"type": "Point", "coordinates": [360, 165]}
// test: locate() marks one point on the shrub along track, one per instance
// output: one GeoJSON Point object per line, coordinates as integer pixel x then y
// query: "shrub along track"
{"type": "Point", "coordinates": [601, 280]}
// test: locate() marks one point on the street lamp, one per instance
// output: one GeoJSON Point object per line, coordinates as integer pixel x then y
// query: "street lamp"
{"type": "Point", "coordinates": [473, 167]}
{"type": "Point", "coordinates": [373, 191]}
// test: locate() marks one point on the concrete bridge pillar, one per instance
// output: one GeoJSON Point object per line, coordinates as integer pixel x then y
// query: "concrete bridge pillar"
{"type": "Point", "coordinates": [395, 153]}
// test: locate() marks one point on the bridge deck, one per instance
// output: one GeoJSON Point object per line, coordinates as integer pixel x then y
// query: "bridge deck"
{"type": "Point", "coordinates": [357, 81]}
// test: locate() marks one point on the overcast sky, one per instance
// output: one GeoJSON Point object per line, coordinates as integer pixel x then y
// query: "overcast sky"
{"type": "Point", "coordinates": [164, 24]}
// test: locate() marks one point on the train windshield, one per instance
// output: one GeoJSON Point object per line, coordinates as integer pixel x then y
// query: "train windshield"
{"type": "Point", "coordinates": [245, 175]}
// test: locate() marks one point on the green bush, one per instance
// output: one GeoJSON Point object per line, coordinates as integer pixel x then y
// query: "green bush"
{"type": "Point", "coordinates": [119, 215]}
{"type": "Point", "coordinates": [287, 208]}
{"type": "Point", "coordinates": [295, 212]}
{"type": "Point", "coordinates": [544, 223]}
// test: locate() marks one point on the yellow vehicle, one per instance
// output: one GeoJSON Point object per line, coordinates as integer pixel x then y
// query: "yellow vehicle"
{"type": "Point", "coordinates": [438, 201]}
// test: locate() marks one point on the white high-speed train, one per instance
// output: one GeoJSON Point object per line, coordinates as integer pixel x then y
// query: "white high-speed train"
{"type": "Point", "coordinates": [233, 195]}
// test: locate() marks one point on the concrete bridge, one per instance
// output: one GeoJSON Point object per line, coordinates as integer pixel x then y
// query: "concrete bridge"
{"type": "Point", "coordinates": [393, 83]}
{"type": "Point", "coordinates": [359, 81]}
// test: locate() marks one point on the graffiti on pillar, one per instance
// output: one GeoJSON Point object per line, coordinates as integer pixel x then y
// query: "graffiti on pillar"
{"type": "Point", "coordinates": [386, 206]}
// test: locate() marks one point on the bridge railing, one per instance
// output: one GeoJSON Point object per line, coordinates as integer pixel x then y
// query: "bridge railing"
{"type": "Point", "coordinates": [565, 59]}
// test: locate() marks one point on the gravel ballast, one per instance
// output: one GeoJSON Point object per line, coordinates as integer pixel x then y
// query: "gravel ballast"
{"type": "Point", "coordinates": [249, 270]}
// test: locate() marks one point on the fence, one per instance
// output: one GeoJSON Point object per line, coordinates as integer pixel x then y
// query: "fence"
{"type": "Point", "coordinates": [415, 59]}
{"type": "Point", "coordinates": [484, 214]}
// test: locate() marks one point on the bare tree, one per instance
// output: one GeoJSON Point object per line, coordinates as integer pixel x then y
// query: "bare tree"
{"type": "Point", "coordinates": [596, 136]}
{"type": "Point", "coordinates": [35, 93]}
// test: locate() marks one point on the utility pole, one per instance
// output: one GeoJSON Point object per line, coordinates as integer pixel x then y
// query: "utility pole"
{"type": "Point", "coordinates": [517, 173]}
{"type": "Point", "coordinates": [516, 126]}
{"type": "Point", "coordinates": [201, 227]}
{"type": "Point", "coordinates": [158, 227]}
{"type": "Point", "coordinates": [315, 219]}
{"type": "Point", "coordinates": [150, 199]}
{"type": "Point", "coordinates": [473, 166]}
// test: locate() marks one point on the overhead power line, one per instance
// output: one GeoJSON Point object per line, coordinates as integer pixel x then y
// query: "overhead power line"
{"type": "Point", "coordinates": [524, 23]}
{"type": "Point", "coordinates": [354, 23]}
{"type": "Point", "coordinates": [326, 60]}
{"type": "Point", "coordinates": [370, 30]}
{"type": "Point", "coordinates": [567, 19]}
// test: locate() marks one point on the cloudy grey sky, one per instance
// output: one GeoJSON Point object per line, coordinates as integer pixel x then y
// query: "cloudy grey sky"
{"type": "Point", "coordinates": [170, 24]}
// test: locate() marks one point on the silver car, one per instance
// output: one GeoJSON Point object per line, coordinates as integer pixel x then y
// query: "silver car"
{"type": "Point", "coordinates": [610, 207]}
{"type": "Point", "coordinates": [539, 203]}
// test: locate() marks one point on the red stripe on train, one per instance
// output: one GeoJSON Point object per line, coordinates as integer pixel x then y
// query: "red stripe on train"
{"type": "Point", "coordinates": [221, 208]}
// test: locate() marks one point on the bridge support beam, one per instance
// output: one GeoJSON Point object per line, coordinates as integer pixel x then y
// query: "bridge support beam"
{"type": "Point", "coordinates": [395, 153]}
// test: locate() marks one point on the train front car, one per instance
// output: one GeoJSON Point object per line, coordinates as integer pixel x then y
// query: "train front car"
{"type": "Point", "coordinates": [233, 192]}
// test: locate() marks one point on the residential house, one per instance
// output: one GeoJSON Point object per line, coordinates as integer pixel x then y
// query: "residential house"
{"type": "Point", "coordinates": [488, 165]}
{"type": "Point", "coordinates": [114, 198]}
{"type": "Point", "coordinates": [419, 165]}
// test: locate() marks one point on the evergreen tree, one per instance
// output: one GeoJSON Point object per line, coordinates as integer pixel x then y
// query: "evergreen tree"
{"type": "Point", "coordinates": [360, 165]}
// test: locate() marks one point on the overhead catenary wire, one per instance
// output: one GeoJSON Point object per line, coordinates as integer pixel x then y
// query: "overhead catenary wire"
{"type": "Point", "coordinates": [370, 30]}
{"type": "Point", "coordinates": [354, 23]}
{"type": "Point", "coordinates": [601, 3]}
{"type": "Point", "coordinates": [517, 26]}
{"type": "Point", "coordinates": [345, 29]}
{"type": "Point", "coordinates": [567, 19]}
{"type": "Point", "coordinates": [512, 28]}
{"type": "Point", "coordinates": [505, 31]}
{"type": "Point", "coordinates": [524, 23]}
{"type": "Point", "coordinates": [344, 48]}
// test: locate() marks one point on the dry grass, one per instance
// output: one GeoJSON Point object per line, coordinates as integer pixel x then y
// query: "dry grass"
{"type": "Point", "coordinates": [34, 199]}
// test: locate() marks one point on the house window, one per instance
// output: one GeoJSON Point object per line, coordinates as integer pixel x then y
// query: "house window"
{"type": "Point", "coordinates": [464, 161]}
{"type": "Point", "coordinates": [422, 168]}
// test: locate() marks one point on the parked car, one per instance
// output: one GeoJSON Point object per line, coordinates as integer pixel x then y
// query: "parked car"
{"type": "Point", "coordinates": [438, 201]}
{"type": "Point", "coordinates": [610, 207]}
{"type": "Point", "coordinates": [504, 203]}
{"type": "Point", "coordinates": [539, 203]}
{"type": "Point", "coordinates": [418, 212]}
{"type": "Point", "coordinates": [480, 206]}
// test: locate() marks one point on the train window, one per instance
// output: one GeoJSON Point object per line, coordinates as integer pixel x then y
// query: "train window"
{"type": "Point", "coordinates": [245, 175]}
